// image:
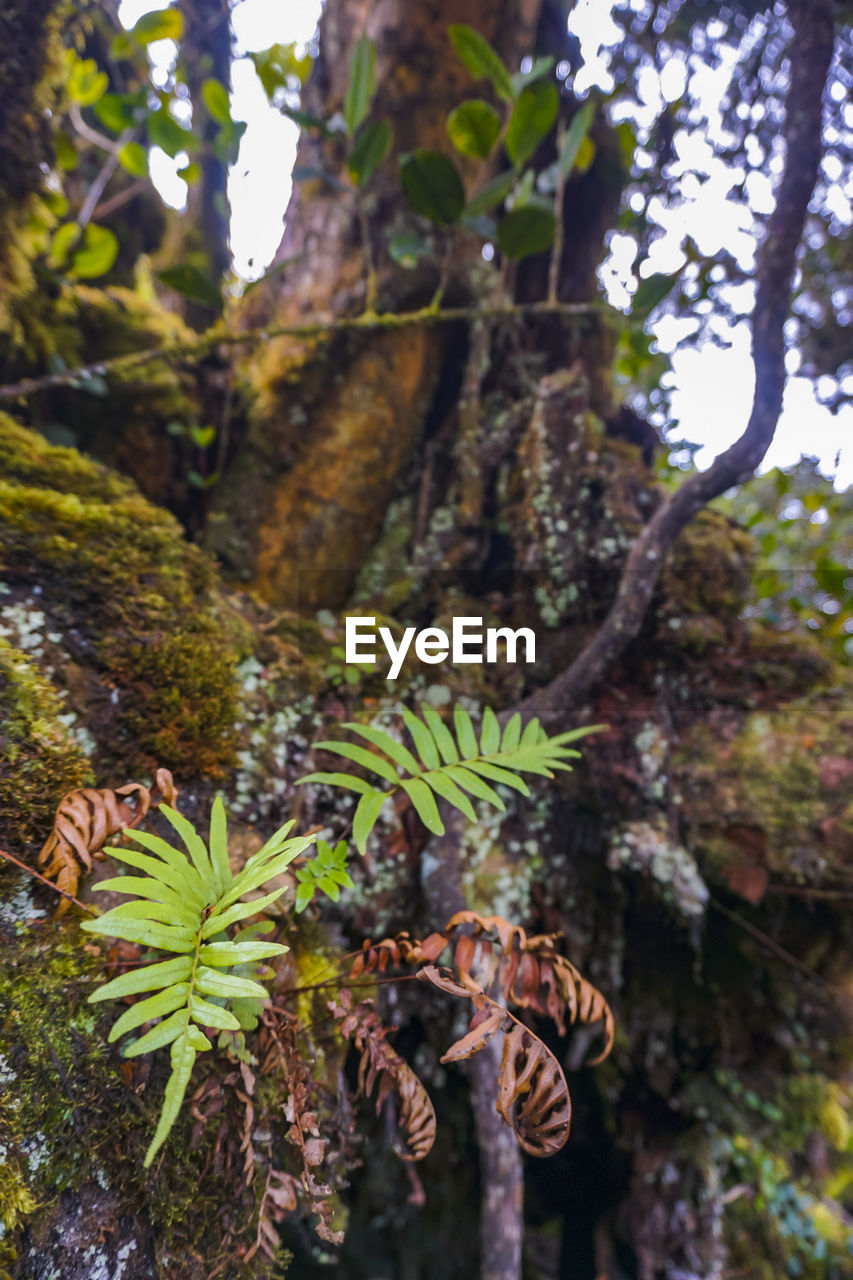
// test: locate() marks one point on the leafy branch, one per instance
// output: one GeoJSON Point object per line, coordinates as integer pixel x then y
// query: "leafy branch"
{"type": "Point", "coordinates": [447, 767]}
{"type": "Point", "coordinates": [184, 904]}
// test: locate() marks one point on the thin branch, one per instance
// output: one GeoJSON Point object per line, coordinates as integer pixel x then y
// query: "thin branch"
{"type": "Point", "coordinates": [10, 857]}
{"type": "Point", "coordinates": [766, 941]}
{"type": "Point", "coordinates": [810, 54]}
{"type": "Point", "coordinates": [214, 338]}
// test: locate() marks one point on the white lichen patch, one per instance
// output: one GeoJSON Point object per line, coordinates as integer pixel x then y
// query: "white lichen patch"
{"type": "Point", "coordinates": [650, 850]}
{"type": "Point", "coordinates": [18, 908]}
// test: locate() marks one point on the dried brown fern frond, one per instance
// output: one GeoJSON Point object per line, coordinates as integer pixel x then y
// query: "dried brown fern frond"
{"type": "Point", "coordinates": [380, 1063]}
{"type": "Point", "coordinates": [496, 964]}
{"type": "Point", "coordinates": [533, 1097]}
{"type": "Point", "coordinates": [85, 820]}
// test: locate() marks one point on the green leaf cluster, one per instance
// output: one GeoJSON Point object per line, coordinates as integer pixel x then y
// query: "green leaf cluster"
{"type": "Point", "coordinates": [326, 871]}
{"type": "Point", "coordinates": [445, 765]}
{"type": "Point", "coordinates": [183, 904]}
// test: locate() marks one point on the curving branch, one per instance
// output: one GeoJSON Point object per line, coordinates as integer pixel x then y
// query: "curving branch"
{"type": "Point", "coordinates": [810, 56]}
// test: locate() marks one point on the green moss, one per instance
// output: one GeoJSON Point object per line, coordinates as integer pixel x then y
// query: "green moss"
{"type": "Point", "coordinates": [39, 761]}
{"type": "Point", "coordinates": [786, 777]}
{"type": "Point", "coordinates": [70, 1118]}
{"type": "Point", "coordinates": [141, 616]}
{"type": "Point", "coordinates": [30, 70]}
{"type": "Point", "coordinates": [705, 584]}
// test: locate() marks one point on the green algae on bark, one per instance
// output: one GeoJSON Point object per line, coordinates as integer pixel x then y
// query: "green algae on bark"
{"type": "Point", "coordinates": [778, 793]}
{"type": "Point", "coordinates": [39, 759]}
{"type": "Point", "coordinates": [149, 643]}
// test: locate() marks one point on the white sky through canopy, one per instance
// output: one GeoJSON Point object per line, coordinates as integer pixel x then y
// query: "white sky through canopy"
{"type": "Point", "coordinates": [712, 385]}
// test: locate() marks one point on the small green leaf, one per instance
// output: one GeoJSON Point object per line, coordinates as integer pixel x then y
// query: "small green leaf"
{"type": "Point", "coordinates": [358, 755]}
{"type": "Point", "coordinates": [575, 135]}
{"type": "Point", "coordinates": [392, 748]}
{"type": "Point", "coordinates": [465, 734]}
{"type": "Point", "coordinates": [62, 240]}
{"type": "Point", "coordinates": [441, 733]}
{"type": "Point", "coordinates": [407, 249]}
{"type": "Point", "coordinates": [227, 984]}
{"type": "Point", "coordinates": [224, 954]}
{"type": "Point", "coordinates": [530, 736]}
{"type": "Point", "coordinates": [473, 128]}
{"type": "Point", "coordinates": [164, 1033]}
{"type": "Point", "coordinates": [215, 97]}
{"type": "Point", "coordinates": [165, 132]}
{"type": "Point", "coordinates": [512, 733]}
{"type": "Point", "coordinates": [474, 785]}
{"type": "Point", "coordinates": [496, 774]}
{"type": "Point", "coordinates": [424, 802]}
{"type": "Point", "coordinates": [532, 117]}
{"type": "Point", "coordinates": [490, 734]}
{"type": "Point", "coordinates": [219, 845]}
{"type": "Point", "coordinates": [202, 437]}
{"type": "Point", "coordinates": [133, 158]}
{"type": "Point", "coordinates": [162, 24]}
{"type": "Point", "coordinates": [149, 978]}
{"type": "Point", "coordinates": [364, 819]}
{"type": "Point", "coordinates": [432, 186]}
{"type": "Point", "coordinates": [346, 780]}
{"type": "Point", "coordinates": [86, 82]}
{"type": "Point", "coordinates": [481, 59]}
{"type": "Point", "coordinates": [526, 230]}
{"type": "Point", "coordinates": [372, 145]}
{"type": "Point", "coordinates": [651, 293]}
{"type": "Point", "coordinates": [304, 895]}
{"type": "Point", "coordinates": [212, 1015]}
{"type": "Point", "coordinates": [424, 742]}
{"type": "Point", "coordinates": [190, 172]}
{"type": "Point", "coordinates": [174, 997]}
{"type": "Point", "coordinates": [193, 284]}
{"type": "Point", "coordinates": [445, 787]}
{"type": "Point", "coordinates": [306, 121]}
{"type": "Point", "coordinates": [97, 253]}
{"type": "Point", "coordinates": [494, 193]}
{"type": "Point", "coordinates": [218, 921]}
{"type": "Point", "coordinates": [362, 81]}
{"type": "Point", "coordinates": [183, 1058]}
{"type": "Point", "coordinates": [147, 934]}
{"type": "Point", "coordinates": [115, 111]}
{"type": "Point", "coordinates": [65, 151]}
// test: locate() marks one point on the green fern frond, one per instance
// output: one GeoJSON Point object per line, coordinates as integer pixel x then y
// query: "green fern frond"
{"type": "Point", "coordinates": [447, 766]}
{"type": "Point", "coordinates": [183, 904]}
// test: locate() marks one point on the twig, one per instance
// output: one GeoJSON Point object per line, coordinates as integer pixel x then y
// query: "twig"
{"type": "Point", "coordinates": [10, 857]}
{"type": "Point", "coordinates": [767, 941]}
{"type": "Point", "coordinates": [557, 246]}
{"type": "Point", "coordinates": [216, 337]}
{"type": "Point", "coordinates": [811, 53]}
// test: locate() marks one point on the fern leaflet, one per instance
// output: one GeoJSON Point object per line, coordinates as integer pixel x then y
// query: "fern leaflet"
{"type": "Point", "coordinates": [447, 767]}
{"type": "Point", "coordinates": [184, 904]}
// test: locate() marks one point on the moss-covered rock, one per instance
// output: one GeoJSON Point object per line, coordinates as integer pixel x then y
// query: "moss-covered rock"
{"type": "Point", "coordinates": [156, 403]}
{"type": "Point", "coordinates": [774, 794]}
{"type": "Point", "coordinates": [39, 759]}
{"type": "Point", "coordinates": [134, 624]}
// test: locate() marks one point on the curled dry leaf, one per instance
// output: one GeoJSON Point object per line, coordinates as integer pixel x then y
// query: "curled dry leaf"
{"type": "Point", "coordinates": [380, 1063]}
{"type": "Point", "coordinates": [533, 1097]}
{"type": "Point", "coordinates": [86, 818]}
{"type": "Point", "coordinates": [528, 972]}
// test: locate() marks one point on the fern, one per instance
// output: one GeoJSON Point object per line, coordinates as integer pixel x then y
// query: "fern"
{"type": "Point", "coordinates": [448, 767]}
{"type": "Point", "coordinates": [184, 904]}
{"type": "Point", "coordinates": [327, 871]}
